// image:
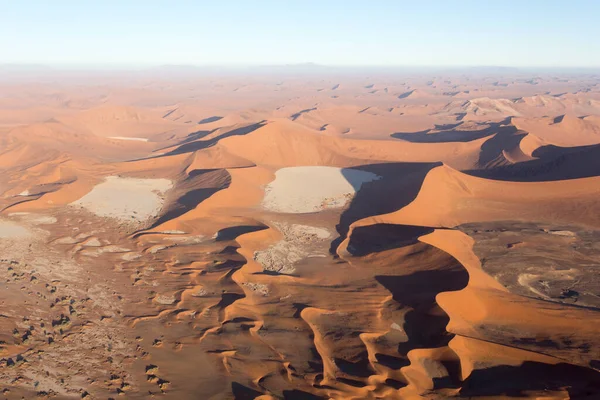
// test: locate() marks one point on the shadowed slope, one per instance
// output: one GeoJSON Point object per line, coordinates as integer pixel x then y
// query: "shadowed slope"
{"type": "Point", "coordinates": [455, 133]}
{"type": "Point", "coordinates": [197, 187]}
{"type": "Point", "coordinates": [197, 144]}
{"type": "Point", "coordinates": [553, 163]}
{"type": "Point", "coordinates": [399, 185]}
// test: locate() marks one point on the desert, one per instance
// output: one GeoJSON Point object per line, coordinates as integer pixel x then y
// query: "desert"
{"type": "Point", "coordinates": [300, 200]}
{"type": "Point", "coordinates": [329, 237]}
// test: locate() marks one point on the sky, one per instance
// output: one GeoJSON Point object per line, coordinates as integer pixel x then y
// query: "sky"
{"type": "Point", "coordinates": [521, 33]}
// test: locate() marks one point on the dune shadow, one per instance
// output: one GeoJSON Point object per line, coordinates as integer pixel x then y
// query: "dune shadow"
{"type": "Point", "coordinates": [241, 392]}
{"type": "Point", "coordinates": [195, 136]}
{"type": "Point", "coordinates": [192, 144]}
{"type": "Point", "coordinates": [552, 163]}
{"type": "Point", "coordinates": [380, 237]}
{"type": "Point", "coordinates": [447, 127]}
{"type": "Point", "coordinates": [423, 327]}
{"type": "Point", "coordinates": [361, 368]}
{"type": "Point", "coordinates": [421, 287]}
{"type": "Point", "coordinates": [358, 177]}
{"type": "Point", "coordinates": [398, 185]}
{"type": "Point", "coordinates": [433, 272]}
{"type": "Point", "coordinates": [228, 299]}
{"type": "Point", "coordinates": [189, 138]}
{"type": "Point", "coordinates": [448, 133]}
{"type": "Point", "coordinates": [297, 394]}
{"type": "Point", "coordinates": [187, 202]}
{"type": "Point", "coordinates": [351, 382]}
{"type": "Point", "coordinates": [406, 94]}
{"type": "Point", "coordinates": [208, 120]}
{"type": "Point", "coordinates": [396, 384]}
{"type": "Point", "coordinates": [558, 119]}
{"type": "Point", "coordinates": [197, 187]}
{"type": "Point", "coordinates": [391, 362]}
{"type": "Point", "coordinates": [492, 151]}
{"type": "Point", "coordinates": [408, 136]}
{"type": "Point", "coordinates": [299, 113]}
{"type": "Point", "coordinates": [35, 193]}
{"type": "Point", "coordinates": [516, 381]}
{"type": "Point", "coordinates": [418, 289]}
{"type": "Point", "coordinates": [231, 233]}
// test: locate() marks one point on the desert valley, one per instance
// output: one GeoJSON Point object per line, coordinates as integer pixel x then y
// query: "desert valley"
{"type": "Point", "coordinates": [255, 234]}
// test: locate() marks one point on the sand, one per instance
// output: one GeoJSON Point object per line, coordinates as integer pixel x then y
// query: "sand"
{"type": "Point", "coordinates": [127, 199]}
{"type": "Point", "coordinates": [299, 242]}
{"type": "Point", "coordinates": [9, 230]}
{"type": "Point", "coordinates": [283, 236]}
{"type": "Point", "coordinates": [135, 139]}
{"type": "Point", "coordinates": [312, 189]}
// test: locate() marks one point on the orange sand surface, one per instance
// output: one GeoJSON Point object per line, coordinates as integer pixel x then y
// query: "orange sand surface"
{"type": "Point", "coordinates": [316, 237]}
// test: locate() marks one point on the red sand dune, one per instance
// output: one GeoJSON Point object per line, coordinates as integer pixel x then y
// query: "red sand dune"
{"type": "Point", "coordinates": [275, 237]}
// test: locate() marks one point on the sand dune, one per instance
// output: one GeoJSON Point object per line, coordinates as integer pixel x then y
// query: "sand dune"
{"type": "Point", "coordinates": [564, 130]}
{"type": "Point", "coordinates": [390, 236]}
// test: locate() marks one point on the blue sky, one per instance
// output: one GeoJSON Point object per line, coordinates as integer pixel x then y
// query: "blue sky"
{"type": "Point", "coordinates": [548, 33]}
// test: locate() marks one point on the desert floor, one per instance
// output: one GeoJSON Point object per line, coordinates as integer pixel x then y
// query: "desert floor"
{"type": "Point", "coordinates": [324, 235]}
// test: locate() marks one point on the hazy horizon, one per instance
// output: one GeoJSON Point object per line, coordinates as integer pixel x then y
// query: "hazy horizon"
{"type": "Point", "coordinates": [308, 66]}
{"type": "Point", "coordinates": [550, 34]}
